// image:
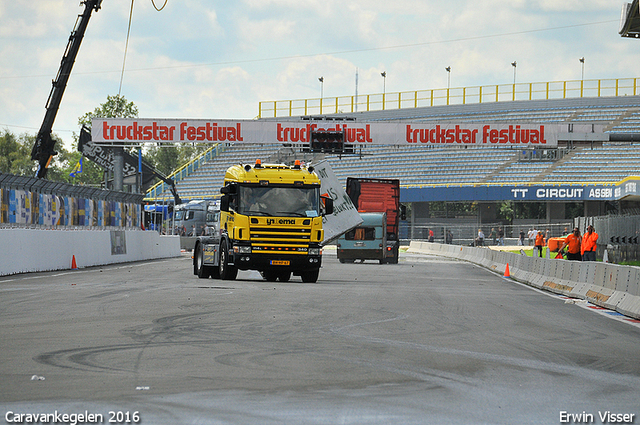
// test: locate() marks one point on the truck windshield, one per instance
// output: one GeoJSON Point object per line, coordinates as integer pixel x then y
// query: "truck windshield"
{"type": "Point", "coordinates": [278, 201]}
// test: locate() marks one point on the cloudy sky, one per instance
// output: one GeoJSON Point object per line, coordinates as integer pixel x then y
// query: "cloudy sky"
{"type": "Point", "coordinates": [219, 58]}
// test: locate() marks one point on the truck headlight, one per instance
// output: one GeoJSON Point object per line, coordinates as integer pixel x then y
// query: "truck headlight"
{"type": "Point", "coordinates": [314, 251]}
{"type": "Point", "coordinates": [242, 249]}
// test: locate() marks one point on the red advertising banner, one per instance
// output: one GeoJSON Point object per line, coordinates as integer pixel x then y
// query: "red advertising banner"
{"type": "Point", "coordinates": [117, 131]}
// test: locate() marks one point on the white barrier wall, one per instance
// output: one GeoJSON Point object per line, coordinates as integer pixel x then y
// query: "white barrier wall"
{"type": "Point", "coordinates": [35, 250]}
{"type": "Point", "coordinates": [608, 285]}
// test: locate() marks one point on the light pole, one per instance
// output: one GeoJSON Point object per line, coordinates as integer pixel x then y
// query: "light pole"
{"type": "Point", "coordinates": [448, 69]}
{"type": "Point", "coordinates": [514, 64]}
{"type": "Point", "coordinates": [384, 86]}
{"type": "Point", "coordinates": [321, 79]}
{"type": "Point", "coordinates": [582, 77]}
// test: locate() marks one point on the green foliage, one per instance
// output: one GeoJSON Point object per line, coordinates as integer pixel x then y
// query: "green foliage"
{"type": "Point", "coordinates": [15, 151]}
{"type": "Point", "coordinates": [165, 159]}
{"type": "Point", "coordinates": [115, 107]}
{"type": "Point", "coordinates": [441, 209]}
{"type": "Point", "coordinates": [505, 211]}
{"type": "Point", "coordinates": [15, 154]}
{"type": "Point", "coordinates": [530, 210]}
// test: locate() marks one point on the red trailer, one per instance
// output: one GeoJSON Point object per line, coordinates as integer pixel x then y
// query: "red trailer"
{"type": "Point", "coordinates": [380, 196]}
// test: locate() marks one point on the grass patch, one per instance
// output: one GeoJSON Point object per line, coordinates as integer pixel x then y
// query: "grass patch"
{"type": "Point", "coordinates": [529, 252]}
{"type": "Point", "coordinates": [630, 263]}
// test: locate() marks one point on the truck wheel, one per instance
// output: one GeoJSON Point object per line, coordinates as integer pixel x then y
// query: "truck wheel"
{"type": "Point", "coordinates": [202, 271]}
{"type": "Point", "coordinates": [227, 272]}
{"type": "Point", "coordinates": [396, 255]}
{"type": "Point", "coordinates": [284, 276]}
{"type": "Point", "coordinates": [270, 275]}
{"type": "Point", "coordinates": [195, 263]}
{"type": "Point", "coordinates": [310, 276]}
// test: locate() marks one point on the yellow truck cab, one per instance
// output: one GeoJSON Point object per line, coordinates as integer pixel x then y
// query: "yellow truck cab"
{"type": "Point", "coordinates": [270, 221]}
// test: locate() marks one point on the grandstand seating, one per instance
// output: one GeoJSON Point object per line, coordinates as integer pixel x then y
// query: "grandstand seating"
{"type": "Point", "coordinates": [428, 165]}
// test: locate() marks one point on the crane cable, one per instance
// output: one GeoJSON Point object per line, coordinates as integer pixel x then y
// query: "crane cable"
{"type": "Point", "coordinates": [126, 46]}
{"type": "Point", "coordinates": [156, 7]}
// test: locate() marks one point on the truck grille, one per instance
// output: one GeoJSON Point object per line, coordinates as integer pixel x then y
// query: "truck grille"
{"type": "Point", "coordinates": [280, 239]}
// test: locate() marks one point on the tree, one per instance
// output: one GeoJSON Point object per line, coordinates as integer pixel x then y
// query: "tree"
{"type": "Point", "coordinates": [165, 158]}
{"type": "Point", "coordinates": [115, 107]}
{"type": "Point", "coordinates": [15, 154]}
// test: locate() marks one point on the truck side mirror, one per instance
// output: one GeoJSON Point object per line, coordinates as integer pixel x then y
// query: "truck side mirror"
{"type": "Point", "coordinates": [224, 203]}
{"type": "Point", "coordinates": [328, 205]}
{"type": "Point", "coordinates": [229, 189]}
{"type": "Point", "coordinates": [403, 212]}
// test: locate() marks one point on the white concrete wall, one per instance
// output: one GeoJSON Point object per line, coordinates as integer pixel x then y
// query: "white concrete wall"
{"type": "Point", "coordinates": [608, 285]}
{"type": "Point", "coordinates": [35, 250]}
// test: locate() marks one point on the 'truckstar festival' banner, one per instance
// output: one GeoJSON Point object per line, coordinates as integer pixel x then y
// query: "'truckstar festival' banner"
{"type": "Point", "coordinates": [115, 130]}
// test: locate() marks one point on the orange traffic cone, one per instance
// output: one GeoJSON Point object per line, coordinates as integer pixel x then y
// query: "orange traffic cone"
{"type": "Point", "coordinates": [73, 263]}
{"type": "Point", "coordinates": [506, 271]}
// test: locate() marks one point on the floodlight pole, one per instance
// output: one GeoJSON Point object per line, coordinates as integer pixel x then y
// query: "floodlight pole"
{"type": "Point", "coordinates": [321, 79]}
{"type": "Point", "coordinates": [384, 86]}
{"type": "Point", "coordinates": [514, 64]}
{"type": "Point", "coordinates": [448, 69]}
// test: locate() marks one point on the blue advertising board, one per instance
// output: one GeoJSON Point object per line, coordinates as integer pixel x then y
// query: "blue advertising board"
{"type": "Point", "coordinates": [534, 192]}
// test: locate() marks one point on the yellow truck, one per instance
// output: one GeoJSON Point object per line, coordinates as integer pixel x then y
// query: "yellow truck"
{"type": "Point", "coordinates": [270, 221]}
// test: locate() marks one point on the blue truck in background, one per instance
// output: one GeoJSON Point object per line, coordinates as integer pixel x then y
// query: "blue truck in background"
{"type": "Point", "coordinates": [368, 241]}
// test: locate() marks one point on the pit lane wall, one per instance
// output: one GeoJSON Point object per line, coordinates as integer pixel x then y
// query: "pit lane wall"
{"type": "Point", "coordinates": [607, 285]}
{"type": "Point", "coordinates": [36, 250]}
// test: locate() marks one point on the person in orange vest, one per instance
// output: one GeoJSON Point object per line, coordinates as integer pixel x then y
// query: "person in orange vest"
{"type": "Point", "coordinates": [589, 243]}
{"type": "Point", "coordinates": [573, 242]}
{"type": "Point", "coordinates": [539, 242]}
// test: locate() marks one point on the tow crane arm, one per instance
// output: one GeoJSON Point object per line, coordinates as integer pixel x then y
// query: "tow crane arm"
{"type": "Point", "coordinates": [43, 149]}
{"type": "Point", "coordinates": [172, 186]}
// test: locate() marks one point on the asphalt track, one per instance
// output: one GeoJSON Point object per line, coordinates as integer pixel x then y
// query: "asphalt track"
{"type": "Point", "coordinates": [429, 340]}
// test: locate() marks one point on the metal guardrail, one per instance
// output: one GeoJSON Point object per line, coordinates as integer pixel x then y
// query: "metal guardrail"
{"type": "Point", "coordinates": [450, 96]}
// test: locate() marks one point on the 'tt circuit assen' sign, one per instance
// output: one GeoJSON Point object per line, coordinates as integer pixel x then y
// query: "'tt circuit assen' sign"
{"type": "Point", "coordinates": [540, 193]}
{"type": "Point", "coordinates": [114, 131]}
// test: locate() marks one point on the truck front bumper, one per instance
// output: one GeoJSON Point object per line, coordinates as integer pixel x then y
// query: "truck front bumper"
{"type": "Point", "coordinates": [283, 262]}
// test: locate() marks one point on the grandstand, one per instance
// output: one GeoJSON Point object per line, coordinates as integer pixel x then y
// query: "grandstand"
{"type": "Point", "coordinates": [587, 162]}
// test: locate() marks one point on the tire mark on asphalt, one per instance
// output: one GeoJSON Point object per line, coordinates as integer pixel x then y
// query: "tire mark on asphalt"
{"type": "Point", "coordinates": [602, 377]}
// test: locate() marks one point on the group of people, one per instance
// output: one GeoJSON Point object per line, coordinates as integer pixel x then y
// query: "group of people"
{"type": "Point", "coordinates": [581, 247]}
{"type": "Point", "coordinates": [496, 237]}
{"type": "Point", "coordinates": [533, 236]}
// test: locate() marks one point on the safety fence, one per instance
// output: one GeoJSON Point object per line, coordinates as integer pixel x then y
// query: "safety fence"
{"type": "Point", "coordinates": [619, 235]}
{"type": "Point", "coordinates": [461, 233]}
{"type": "Point", "coordinates": [31, 202]}
{"type": "Point", "coordinates": [607, 285]}
{"type": "Point", "coordinates": [450, 96]}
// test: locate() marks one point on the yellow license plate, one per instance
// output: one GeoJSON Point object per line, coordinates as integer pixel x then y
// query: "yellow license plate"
{"type": "Point", "coordinates": [279, 262]}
